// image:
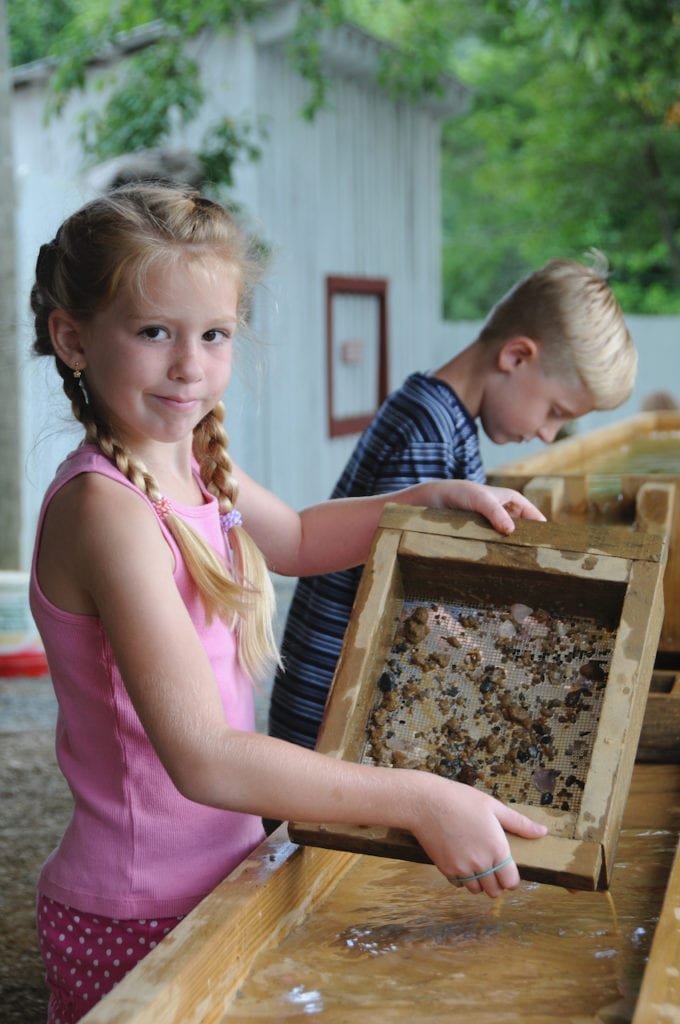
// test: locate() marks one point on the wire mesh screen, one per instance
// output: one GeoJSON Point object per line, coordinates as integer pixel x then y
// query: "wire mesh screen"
{"type": "Point", "coordinates": [504, 698]}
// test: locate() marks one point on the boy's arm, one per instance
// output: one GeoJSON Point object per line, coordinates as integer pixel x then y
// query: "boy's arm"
{"type": "Point", "coordinates": [420, 462]}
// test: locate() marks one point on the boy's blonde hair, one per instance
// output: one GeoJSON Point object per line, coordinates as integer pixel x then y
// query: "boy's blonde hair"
{"type": "Point", "coordinates": [123, 235]}
{"type": "Point", "coordinates": [571, 311]}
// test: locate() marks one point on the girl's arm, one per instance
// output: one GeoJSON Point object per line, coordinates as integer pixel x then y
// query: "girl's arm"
{"type": "Point", "coordinates": [121, 562]}
{"type": "Point", "coordinates": [337, 534]}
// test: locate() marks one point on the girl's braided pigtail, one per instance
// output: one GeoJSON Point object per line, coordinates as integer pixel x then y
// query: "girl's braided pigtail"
{"type": "Point", "coordinates": [257, 645]}
{"type": "Point", "coordinates": [245, 599]}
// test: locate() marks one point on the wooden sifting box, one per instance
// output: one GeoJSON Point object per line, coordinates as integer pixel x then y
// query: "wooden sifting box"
{"type": "Point", "coordinates": [519, 664]}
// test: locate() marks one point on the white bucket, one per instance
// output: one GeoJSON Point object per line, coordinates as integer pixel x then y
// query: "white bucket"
{"type": "Point", "coordinates": [17, 628]}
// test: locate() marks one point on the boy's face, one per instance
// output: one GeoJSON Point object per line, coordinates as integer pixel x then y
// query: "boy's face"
{"type": "Point", "coordinates": [521, 402]}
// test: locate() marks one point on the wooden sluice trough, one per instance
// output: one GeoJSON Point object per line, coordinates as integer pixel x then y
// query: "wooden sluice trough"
{"type": "Point", "coordinates": [597, 476]}
{"type": "Point", "coordinates": [304, 931]}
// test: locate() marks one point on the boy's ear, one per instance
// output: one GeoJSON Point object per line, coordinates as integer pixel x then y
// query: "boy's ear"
{"type": "Point", "coordinates": [515, 351]}
{"type": "Point", "coordinates": [66, 339]}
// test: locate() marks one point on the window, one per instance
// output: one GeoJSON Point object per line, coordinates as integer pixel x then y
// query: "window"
{"type": "Point", "coordinates": [356, 351]}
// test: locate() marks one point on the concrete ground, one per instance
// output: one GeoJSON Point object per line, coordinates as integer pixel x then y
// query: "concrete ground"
{"type": "Point", "coordinates": [34, 810]}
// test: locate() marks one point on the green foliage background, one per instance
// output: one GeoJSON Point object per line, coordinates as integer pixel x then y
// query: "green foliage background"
{"type": "Point", "coordinates": [571, 139]}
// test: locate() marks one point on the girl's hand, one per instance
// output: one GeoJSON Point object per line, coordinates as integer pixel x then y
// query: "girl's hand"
{"type": "Point", "coordinates": [500, 505]}
{"type": "Point", "coordinates": [463, 832]}
{"type": "Point", "coordinates": [337, 534]}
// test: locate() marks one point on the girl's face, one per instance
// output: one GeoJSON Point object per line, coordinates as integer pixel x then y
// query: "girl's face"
{"type": "Point", "coordinates": [156, 362]}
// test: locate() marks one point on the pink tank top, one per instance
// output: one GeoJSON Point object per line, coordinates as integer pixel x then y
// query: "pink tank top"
{"type": "Point", "coordinates": [135, 847]}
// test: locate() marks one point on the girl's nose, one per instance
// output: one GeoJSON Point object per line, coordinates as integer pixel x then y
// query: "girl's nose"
{"type": "Point", "coordinates": [186, 364]}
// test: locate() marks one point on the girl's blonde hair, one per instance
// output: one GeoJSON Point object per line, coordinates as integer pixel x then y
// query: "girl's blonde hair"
{"type": "Point", "coordinates": [124, 234]}
{"type": "Point", "coordinates": [571, 311]}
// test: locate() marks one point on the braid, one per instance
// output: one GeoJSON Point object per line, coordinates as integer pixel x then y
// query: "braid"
{"type": "Point", "coordinates": [73, 392]}
{"type": "Point", "coordinates": [211, 450]}
{"type": "Point", "coordinates": [98, 433]}
{"type": "Point", "coordinates": [258, 647]}
{"type": "Point", "coordinates": [124, 461]}
{"type": "Point", "coordinates": [232, 599]}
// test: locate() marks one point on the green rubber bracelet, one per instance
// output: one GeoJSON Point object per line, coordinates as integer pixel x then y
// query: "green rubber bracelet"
{"type": "Point", "coordinates": [482, 874]}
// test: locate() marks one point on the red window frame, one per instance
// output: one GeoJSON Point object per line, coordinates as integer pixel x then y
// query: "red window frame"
{"type": "Point", "coordinates": [339, 426]}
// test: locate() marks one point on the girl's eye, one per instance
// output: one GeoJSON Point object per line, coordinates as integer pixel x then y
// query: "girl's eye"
{"type": "Point", "coordinates": [217, 335]}
{"type": "Point", "coordinates": [154, 333]}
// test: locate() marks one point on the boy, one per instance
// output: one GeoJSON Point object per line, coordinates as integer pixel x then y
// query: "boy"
{"type": "Point", "coordinates": [553, 348]}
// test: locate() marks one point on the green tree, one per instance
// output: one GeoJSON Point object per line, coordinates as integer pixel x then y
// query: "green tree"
{"type": "Point", "coordinates": [571, 141]}
{"type": "Point", "coordinates": [33, 25]}
{"type": "Point", "coordinates": [158, 82]}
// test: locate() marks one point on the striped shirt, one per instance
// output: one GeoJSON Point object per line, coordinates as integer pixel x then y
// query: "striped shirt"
{"type": "Point", "coordinates": [421, 432]}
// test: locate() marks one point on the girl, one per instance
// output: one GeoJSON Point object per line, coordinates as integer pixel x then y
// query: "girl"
{"type": "Point", "coordinates": [151, 591]}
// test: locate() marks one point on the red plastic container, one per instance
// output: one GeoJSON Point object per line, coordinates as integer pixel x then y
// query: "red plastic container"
{"type": "Point", "coordinates": [30, 661]}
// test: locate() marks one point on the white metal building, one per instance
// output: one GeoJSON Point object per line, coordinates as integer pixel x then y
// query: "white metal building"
{"type": "Point", "coordinates": [349, 205]}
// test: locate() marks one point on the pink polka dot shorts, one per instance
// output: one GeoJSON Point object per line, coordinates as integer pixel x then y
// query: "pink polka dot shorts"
{"type": "Point", "coordinates": [86, 955]}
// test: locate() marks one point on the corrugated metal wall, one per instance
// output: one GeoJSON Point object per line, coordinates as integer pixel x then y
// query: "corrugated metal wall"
{"type": "Point", "coordinates": [354, 193]}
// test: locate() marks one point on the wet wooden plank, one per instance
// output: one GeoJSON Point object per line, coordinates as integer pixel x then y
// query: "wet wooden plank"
{"type": "Point", "coordinates": [659, 997]}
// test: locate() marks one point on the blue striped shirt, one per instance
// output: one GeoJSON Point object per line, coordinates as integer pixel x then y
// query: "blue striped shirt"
{"type": "Point", "coordinates": [421, 432]}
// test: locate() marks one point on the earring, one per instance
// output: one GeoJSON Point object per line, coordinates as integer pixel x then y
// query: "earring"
{"type": "Point", "coordinates": [77, 371]}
